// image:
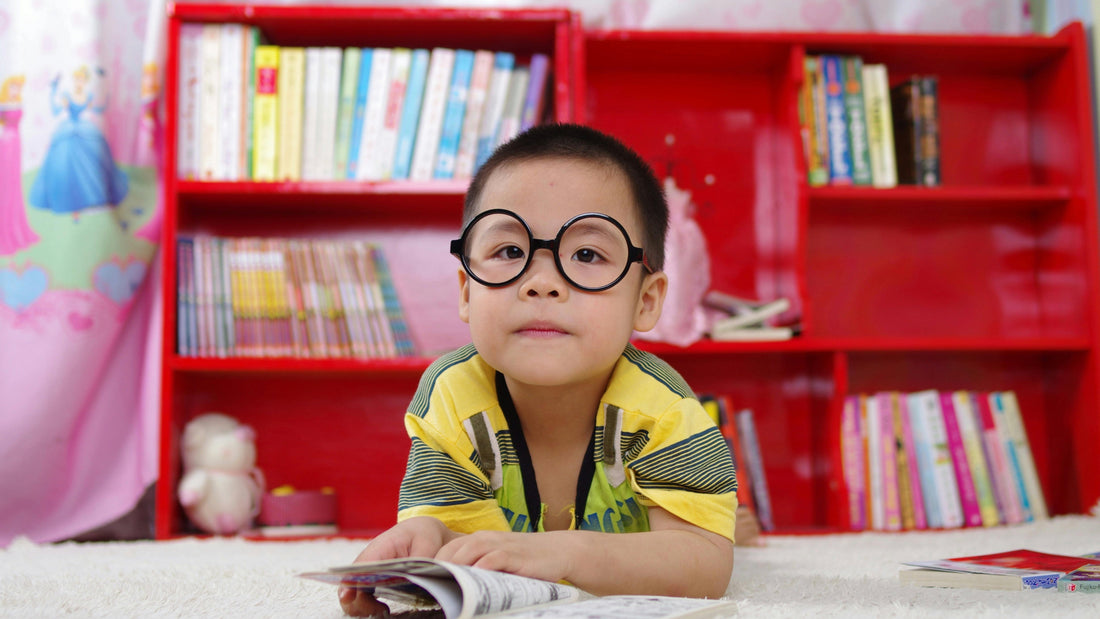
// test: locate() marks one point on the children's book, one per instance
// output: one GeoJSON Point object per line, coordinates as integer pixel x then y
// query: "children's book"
{"type": "Point", "coordinates": [1085, 579]}
{"type": "Point", "coordinates": [462, 592]}
{"type": "Point", "coordinates": [1011, 570]}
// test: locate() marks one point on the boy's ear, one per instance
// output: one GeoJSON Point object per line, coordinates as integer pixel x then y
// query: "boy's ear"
{"type": "Point", "coordinates": [463, 296]}
{"type": "Point", "coordinates": [650, 301]}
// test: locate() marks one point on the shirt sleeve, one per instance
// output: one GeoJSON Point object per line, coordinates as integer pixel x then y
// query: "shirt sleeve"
{"type": "Point", "coordinates": [442, 478]}
{"type": "Point", "coordinates": [685, 468]}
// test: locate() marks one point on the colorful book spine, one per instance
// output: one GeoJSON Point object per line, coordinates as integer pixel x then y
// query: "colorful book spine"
{"type": "Point", "coordinates": [292, 75]}
{"type": "Point", "coordinates": [534, 101]}
{"type": "Point", "coordinates": [410, 114]}
{"type": "Point", "coordinates": [746, 428]}
{"type": "Point", "coordinates": [451, 131]}
{"type": "Point", "coordinates": [929, 136]}
{"type": "Point", "coordinates": [345, 111]}
{"type": "Point", "coordinates": [230, 101]}
{"type": "Point", "coordinates": [379, 321]}
{"type": "Point", "coordinates": [967, 418]}
{"type": "Point", "coordinates": [187, 103]}
{"type": "Point", "coordinates": [891, 494]}
{"type": "Point", "coordinates": [908, 471]}
{"type": "Point", "coordinates": [328, 113]}
{"type": "Point", "coordinates": [184, 297]}
{"type": "Point", "coordinates": [851, 75]}
{"type": "Point", "coordinates": [402, 338]}
{"type": "Point", "coordinates": [817, 172]}
{"type": "Point", "coordinates": [728, 426]}
{"type": "Point", "coordinates": [400, 69]}
{"type": "Point", "coordinates": [876, 503]}
{"type": "Point", "coordinates": [266, 113]}
{"type": "Point", "coordinates": [999, 468]}
{"type": "Point", "coordinates": [503, 63]}
{"type": "Point", "coordinates": [210, 81]}
{"type": "Point", "coordinates": [513, 105]}
{"type": "Point", "coordinates": [475, 106]}
{"type": "Point", "coordinates": [430, 126]}
{"type": "Point", "coordinates": [924, 454]}
{"type": "Point", "coordinates": [905, 103]}
{"type": "Point", "coordinates": [370, 157]}
{"type": "Point", "coordinates": [360, 115]}
{"type": "Point", "coordinates": [840, 152]}
{"type": "Point", "coordinates": [968, 496]}
{"type": "Point", "coordinates": [1014, 424]}
{"type": "Point", "coordinates": [928, 404]}
{"type": "Point", "coordinates": [880, 128]}
{"type": "Point", "coordinates": [851, 446]}
{"type": "Point", "coordinates": [228, 323]}
{"type": "Point", "coordinates": [248, 102]}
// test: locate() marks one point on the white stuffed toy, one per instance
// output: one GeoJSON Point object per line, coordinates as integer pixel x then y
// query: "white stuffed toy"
{"type": "Point", "coordinates": [221, 486]}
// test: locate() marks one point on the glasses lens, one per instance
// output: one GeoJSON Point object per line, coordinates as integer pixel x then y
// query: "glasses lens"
{"type": "Point", "coordinates": [593, 252]}
{"type": "Point", "coordinates": [497, 246]}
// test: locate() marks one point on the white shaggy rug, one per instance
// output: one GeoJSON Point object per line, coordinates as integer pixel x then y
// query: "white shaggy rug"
{"type": "Point", "coordinates": [843, 575]}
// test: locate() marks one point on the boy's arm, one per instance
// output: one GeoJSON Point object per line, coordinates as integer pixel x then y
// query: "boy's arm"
{"type": "Point", "coordinates": [673, 558]}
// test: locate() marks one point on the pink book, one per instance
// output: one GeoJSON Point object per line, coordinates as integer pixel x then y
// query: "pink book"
{"type": "Point", "coordinates": [1004, 488]}
{"type": "Point", "coordinates": [888, 453]}
{"type": "Point", "coordinates": [851, 450]}
{"type": "Point", "coordinates": [919, 518]}
{"type": "Point", "coordinates": [972, 514]}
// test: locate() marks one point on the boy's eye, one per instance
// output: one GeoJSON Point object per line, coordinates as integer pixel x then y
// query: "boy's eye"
{"type": "Point", "coordinates": [511, 252]}
{"type": "Point", "coordinates": [587, 256]}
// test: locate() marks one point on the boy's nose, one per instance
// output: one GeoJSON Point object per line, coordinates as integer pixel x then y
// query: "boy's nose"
{"type": "Point", "coordinates": [542, 277]}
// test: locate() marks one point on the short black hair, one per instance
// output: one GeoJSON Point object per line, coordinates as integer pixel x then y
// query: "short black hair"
{"type": "Point", "coordinates": [573, 141]}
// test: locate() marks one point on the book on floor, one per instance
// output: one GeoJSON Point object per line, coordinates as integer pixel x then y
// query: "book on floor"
{"type": "Point", "coordinates": [1010, 570]}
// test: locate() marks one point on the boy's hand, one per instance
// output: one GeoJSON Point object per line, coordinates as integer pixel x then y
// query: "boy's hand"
{"type": "Point", "coordinates": [535, 555]}
{"type": "Point", "coordinates": [415, 537]}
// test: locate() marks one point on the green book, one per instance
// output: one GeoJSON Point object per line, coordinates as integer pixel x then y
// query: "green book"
{"type": "Point", "coordinates": [851, 75]}
{"type": "Point", "coordinates": [345, 112]}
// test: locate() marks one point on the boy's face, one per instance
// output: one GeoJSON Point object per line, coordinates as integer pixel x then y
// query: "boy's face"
{"type": "Point", "coordinates": [540, 330]}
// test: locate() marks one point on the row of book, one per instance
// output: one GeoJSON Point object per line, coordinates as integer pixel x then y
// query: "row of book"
{"type": "Point", "coordinates": [249, 111]}
{"type": "Point", "coordinates": [858, 130]}
{"type": "Point", "coordinates": [739, 429]}
{"type": "Point", "coordinates": [937, 459]}
{"type": "Point", "coordinates": [275, 297]}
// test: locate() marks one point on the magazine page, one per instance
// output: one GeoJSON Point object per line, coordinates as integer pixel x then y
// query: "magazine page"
{"type": "Point", "coordinates": [629, 607]}
{"type": "Point", "coordinates": [485, 591]}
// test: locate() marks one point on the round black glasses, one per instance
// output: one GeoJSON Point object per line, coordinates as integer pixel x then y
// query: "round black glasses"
{"type": "Point", "coordinates": [592, 251]}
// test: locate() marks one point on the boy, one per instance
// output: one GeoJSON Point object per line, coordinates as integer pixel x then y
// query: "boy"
{"type": "Point", "coordinates": [551, 447]}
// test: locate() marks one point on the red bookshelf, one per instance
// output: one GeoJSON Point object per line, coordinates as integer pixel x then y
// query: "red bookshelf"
{"type": "Point", "coordinates": [988, 282]}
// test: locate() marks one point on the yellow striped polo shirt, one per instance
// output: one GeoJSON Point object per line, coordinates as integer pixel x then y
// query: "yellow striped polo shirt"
{"type": "Point", "coordinates": [653, 445]}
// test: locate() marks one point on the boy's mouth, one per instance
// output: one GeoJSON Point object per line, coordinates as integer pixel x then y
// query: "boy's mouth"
{"type": "Point", "coordinates": [541, 328]}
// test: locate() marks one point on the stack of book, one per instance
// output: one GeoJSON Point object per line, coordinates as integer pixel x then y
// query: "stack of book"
{"type": "Point", "coordinates": [857, 130]}
{"type": "Point", "coordinates": [739, 430]}
{"type": "Point", "coordinates": [249, 111]}
{"type": "Point", "coordinates": [932, 459]}
{"type": "Point", "coordinates": [273, 297]}
{"type": "Point", "coordinates": [747, 320]}
{"type": "Point", "coordinates": [1010, 570]}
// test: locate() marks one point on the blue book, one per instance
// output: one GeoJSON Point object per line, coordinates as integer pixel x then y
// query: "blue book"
{"type": "Point", "coordinates": [410, 114]}
{"type": "Point", "coordinates": [360, 111]}
{"type": "Point", "coordinates": [836, 122]}
{"type": "Point", "coordinates": [454, 114]}
{"type": "Point", "coordinates": [925, 463]}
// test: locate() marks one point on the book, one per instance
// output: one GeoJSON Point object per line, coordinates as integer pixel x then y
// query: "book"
{"type": "Point", "coordinates": [400, 63]}
{"type": "Point", "coordinates": [909, 490]}
{"type": "Point", "coordinates": [922, 457]}
{"type": "Point", "coordinates": [815, 145]}
{"type": "Point", "coordinates": [852, 461]}
{"type": "Point", "coordinates": [475, 105]}
{"type": "Point", "coordinates": [512, 112]}
{"type": "Point", "coordinates": [743, 314]}
{"type": "Point", "coordinates": [1011, 570]}
{"type": "Point", "coordinates": [1085, 579]}
{"type": "Point", "coordinates": [410, 114]}
{"type": "Point", "coordinates": [535, 99]}
{"type": "Point", "coordinates": [928, 164]}
{"type": "Point", "coordinates": [1007, 408]}
{"type": "Point", "coordinates": [370, 157]}
{"type": "Point", "coordinates": [461, 592]}
{"type": "Point", "coordinates": [328, 107]}
{"type": "Point", "coordinates": [252, 40]}
{"type": "Point", "coordinates": [265, 127]}
{"type": "Point", "coordinates": [750, 442]}
{"type": "Point", "coordinates": [503, 63]}
{"type": "Point", "coordinates": [450, 133]}
{"type": "Point", "coordinates": [231, 94]}
{"type": "Point", "coordinates": [905, 103]}
{"type": "Point", "coordinates": [888, 454]}
{"type": "Point", "coordinates": [926, 404]}
{"type": "Point", "coordinates": [188, 101]}
{"type": "Point", "coordinates": [345, 111]}
{"type": "Point", "coordinates": [851, 75]}
{"type": "Point", "coordinates": [210, 82]}
{"type": "Point", "coordinates": [311, 110]}
{"type": "Point", "coordinates": [966, 416]}
{"type": "Point", "coordinates": [1000, 471]}
{"type": "Point", "coordinates": [836, 115]}
{"type": "Point", "coordinates": [366, 58]}
{"type": "Point", "coordinates": [728, 427]}
{"type": "Point", "coordinates": [880, 128]}
{"type": "Point", "coordinates": [430, 127]}
{"type": "Point", "coordinates": [292, 75]}
{"type": "Point", "coordinates": [751, 334]}
{"type": "Point", "coordinates": [972, 516]}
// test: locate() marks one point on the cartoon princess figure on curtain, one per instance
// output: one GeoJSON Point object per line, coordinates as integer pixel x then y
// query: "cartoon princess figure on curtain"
{"type": "Point", "coordinates": [79, 171]}
{"type": "Point", "coordinates": [151, 145]}
{"type": "Point", "coordinates": [15, 233]}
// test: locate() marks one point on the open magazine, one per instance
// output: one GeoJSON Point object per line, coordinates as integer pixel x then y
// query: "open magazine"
{"type": "Point", "coordinates": [463, 592]}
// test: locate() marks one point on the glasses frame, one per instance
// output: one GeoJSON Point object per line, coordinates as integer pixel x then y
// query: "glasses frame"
{"type": "Point", "coordinates": [634, 253]}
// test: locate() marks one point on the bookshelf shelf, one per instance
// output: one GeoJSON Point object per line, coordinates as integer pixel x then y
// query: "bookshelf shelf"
{"type": "Point", "coordinates": [989, 282]}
